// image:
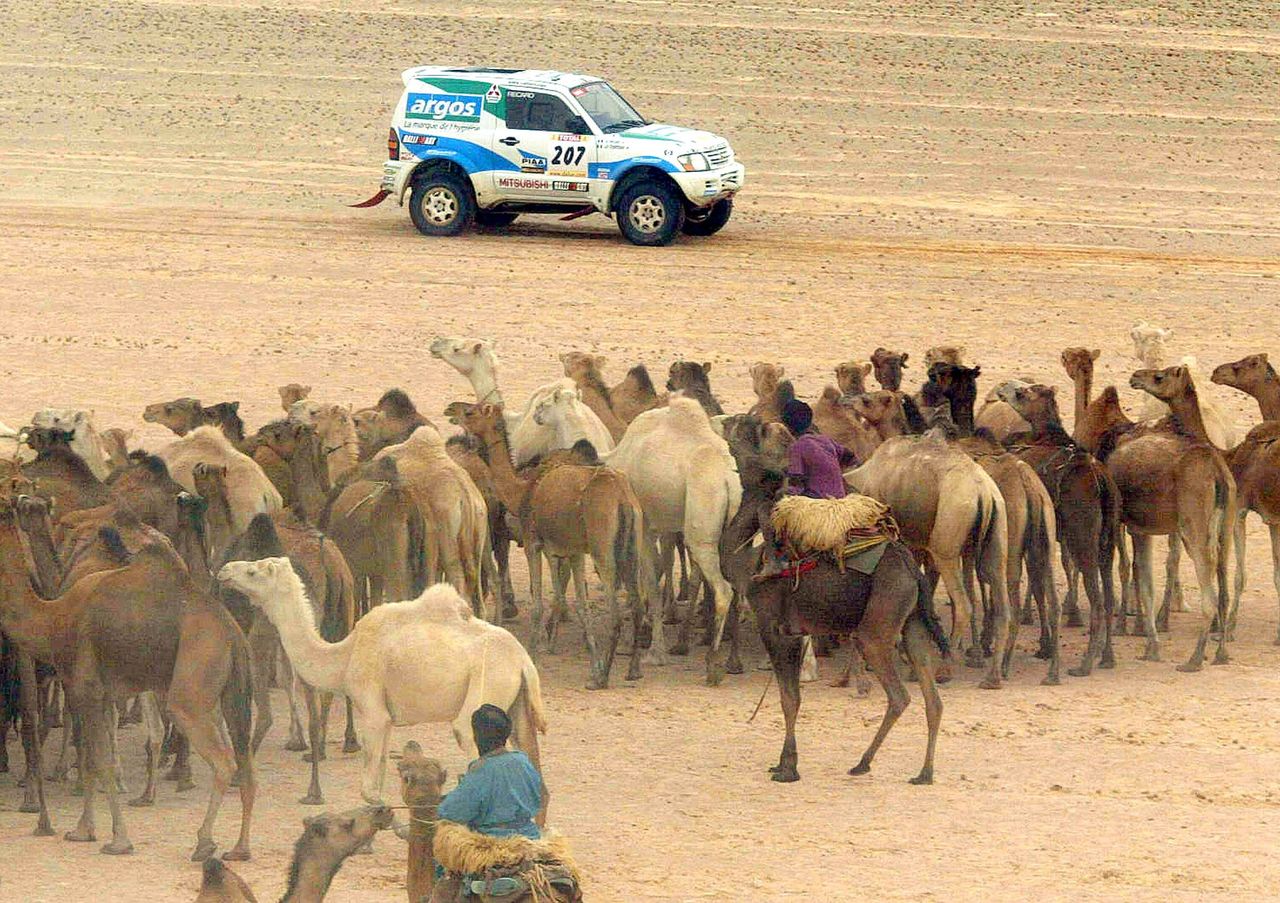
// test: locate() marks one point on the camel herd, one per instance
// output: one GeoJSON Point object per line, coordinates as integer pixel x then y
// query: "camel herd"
{"type": "Point", "coordinates": [364, 553]}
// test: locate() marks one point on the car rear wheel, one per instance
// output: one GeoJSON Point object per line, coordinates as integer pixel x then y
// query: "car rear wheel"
{"type": "Point", "coordinates": [493, 219]}
{"type": "Point", "coordinates": [442, 204]}
{"type": "Point", "coordinates": [650, 213]}
{"type": "Point", "coordinates": [708, 220]}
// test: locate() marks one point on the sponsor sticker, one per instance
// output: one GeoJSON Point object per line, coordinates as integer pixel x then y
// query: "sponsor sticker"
{"type": "Point", "coordinates": [532, 162]}
{"type": "Point", "coordinates": [427, 140]}
{"type": "Point", "coordinates": [569, 186]}
{"type": "Point", "coordinates": [444, 107]}
{"type": "Point", "coordinates": [493, 95]}
{"type": "Point", "coordinates": [522, 95]}
{"type": "Point", "coordinates": [569, 138]}
{"type": "Point", "coordinates": [518, 182]}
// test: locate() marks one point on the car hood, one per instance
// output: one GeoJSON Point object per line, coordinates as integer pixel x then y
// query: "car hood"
{"type": "Point", "coordinates": [688, 139]}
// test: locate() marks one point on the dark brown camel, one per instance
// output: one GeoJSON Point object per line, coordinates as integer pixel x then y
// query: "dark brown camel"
{"type": "Point", "coordinates": [878, 611]}
{"type": "Point", "coordinates": [59, 474]}
{"type": "Point", "coordinates": [693, 381]}
{"type": "Point", "coordinates": [959, 386]}
{"type": "Point", "coordinates": [469, 452]}
{"type": "Point", "coordinates": [391, 421]}
{"type": "Point", "coordinates": [1086, 503]}
{"type": "Point", "coordinates": [144, 626]}
{"type": "Point", "coordinates": [1255, 376]}
{"type": "Point", "coordinates": [182, 415]}
{"type": "Point", "coordinates": [887, 366]}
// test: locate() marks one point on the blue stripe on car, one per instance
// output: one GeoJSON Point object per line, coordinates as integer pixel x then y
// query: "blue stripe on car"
{"type": "Point", "coordinates": [467, 154]}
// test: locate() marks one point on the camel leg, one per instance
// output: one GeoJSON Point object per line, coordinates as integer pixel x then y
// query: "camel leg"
{"type": "Point", "coordinates": [953, 580]}
{"type": "Point", "coordinates": [314, 796]}
{"type": "Point", "coordinates": [686, 575]}
{"type": "Point", "coordinates": [1202, 557]}
{"type": "Point", "coordinates": [349, 742]}
{"type": "Point", "coordinates": [534, 557]}
{"type": "Point", "coordinates": [1239, 543]}
{"type": "Point", "coordinates": [297, 738]}
{"type": "Point", "coordinates": [601, 666]}
{"type": "Point", "coordinates": [99, 719]}
{"type": "Point", "coordinates": [30, 707]}
{"type": "Point", "coordinates": [1071, 605]}
{"type": "Point", "coordinates": [154, 723]}
{"type": "Point", "coordinates": [785, 654]}
{"type": "Point", "coordinates": [657, 652]}
{"type": "Point", "coordinates": [706, 560]}
{"type": "Point", "coordinates": [1174, 599]}
{"type": "Point", "coordinates": [202, 732]}
{"type": "Point", "coordinates": [1275, 564]}
{"type": "Point", "coordinates": [1146, 594]}
{"type": "Point", "coordinates": [880, 657]}
{"type": "Point", "coordinates": [666, 571]}
{"type": "Point", "coordinates": [733, 629]}
{"type": "Point", "coordinates": [920, 652]}
{"type": "Point", "coordinates": [262, 650]}
{"type": "Point", "coordinates": [374, 724]}
{"type": "Point", "coordinates": [637, 601]}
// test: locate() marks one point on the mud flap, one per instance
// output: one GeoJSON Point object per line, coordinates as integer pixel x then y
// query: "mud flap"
{"type": "Point", "coordinates": [373, 201]}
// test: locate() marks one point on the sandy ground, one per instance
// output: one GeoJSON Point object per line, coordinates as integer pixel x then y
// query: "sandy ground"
{"type": "Point", "coordinates": [1012, 178]}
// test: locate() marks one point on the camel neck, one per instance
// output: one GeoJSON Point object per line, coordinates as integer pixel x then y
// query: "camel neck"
{"type": "Point", "coordinates": [310, 876]}
{"type": "Point", "coordinates": [1084, 390]}
{"type": "Point", "coordinates": [421, 872]}
{"type": "Point", "coordinates": [511, 489]}
{"type": "Point", "coordinates": [321, 664]}
{"type": "Point", "coordinates": [1268, 397]}
{"type": "Point", "coordinates": [1186, 415]}
{"type": "Point", "coordinates": [310, 478]}
{"type": "Point", "coordinates": [484, 382]}
{"type": "Point", "coordinates": [23, 615]}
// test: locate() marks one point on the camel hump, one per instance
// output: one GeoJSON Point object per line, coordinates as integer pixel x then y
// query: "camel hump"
{"type": "Point", "coordinates": [640, 375]}
{"type": "Point", "coordinates": [442, 603]}
{"type": "Point", "coordinates": [113, 544]}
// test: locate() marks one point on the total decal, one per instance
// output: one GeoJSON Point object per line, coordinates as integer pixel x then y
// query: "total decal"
{"type": "Point", "coordinates": [444, 107]}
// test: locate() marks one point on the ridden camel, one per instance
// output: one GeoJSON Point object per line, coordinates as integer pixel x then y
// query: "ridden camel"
{"type": "Point", "coordinates": [1149, 350]}
{"type": "Point", "coordinates": [687, 483]}
{"type": "Point", "coordinates": [568, 512]}
{"type": "Point", "coordinates": [421, 787]}
{"type": "Point", "coordinates": [570, 419]}
{"type": "Point", "coordinates": [834, 417]}
{"type": "Point", "coordinates": [144, 626]}
{"type": "Point", "coordinates": [877, 611]}
{"type": "Point", "coordinates": [85, 440]}
{"type": "Point", "coordinates": [423, 661]}
{"type": "Point", "coordinates": [250, 492]}
{"type": "Point", "coordinates": [327, 841]}
{"type": "Point", "coordinates": [584, 370]}
{"type": "Point", "coordinates": [950, 507]}
{"type": "Point", "coordinates": [693, 381]}
{"type": "Point", "coordinates": [851, 377]}
{"type": "Point", "coordinates": [1087, 506]}
{"type": "Point", "coordinates": [454, 517]}
{"type": "Point", "coordinates": [1176, 482]}
{"type": "Point", "coordinates": [772, 391]}
{"type": "Point", "coordinates": [1255, 462]}
{"type": "Point", "coordinates": [887, 366]}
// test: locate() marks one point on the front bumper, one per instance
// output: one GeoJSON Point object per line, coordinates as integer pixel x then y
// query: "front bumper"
{"type": "Point", "coordinates": [702, 189]}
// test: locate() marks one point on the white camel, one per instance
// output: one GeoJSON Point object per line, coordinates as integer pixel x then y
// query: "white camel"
{"type": "Point", "coordinates": [949, 506]}
{"type": "Point", "coordinates": [1149, 349]}
{"type": "Point", "coordinates": [688, 483]}
{"type": "Point", "coordinates": [475, 360]}
{"type": "Point", "coordinates": [249, 490]}
{"type": "Point", "coordinates": [85, 440]}
{"type": "Point", "coordinates": [565, 412]}
{"type": "Point", "coordinates": [424, 661]}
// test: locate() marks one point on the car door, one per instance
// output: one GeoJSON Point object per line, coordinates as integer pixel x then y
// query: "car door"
{"type": "Point", "coordinates": [550, 146]}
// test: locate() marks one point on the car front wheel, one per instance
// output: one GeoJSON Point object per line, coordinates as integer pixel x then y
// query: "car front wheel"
{"type": "Point", "coordinates": [650, 213]}
{"type": "Point", "coordinates": [442, 204]}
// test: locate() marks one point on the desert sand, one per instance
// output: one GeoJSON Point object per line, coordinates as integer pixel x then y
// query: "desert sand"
{"type": "Point", "coordinates": [1011, 177]}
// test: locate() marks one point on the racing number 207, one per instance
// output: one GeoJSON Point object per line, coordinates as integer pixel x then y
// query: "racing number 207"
{"type": "Point", "coordinates": [567, 155]}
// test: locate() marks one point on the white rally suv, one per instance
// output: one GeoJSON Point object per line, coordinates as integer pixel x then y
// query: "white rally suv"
{"type": "Point", "coordinates": [485, 145]}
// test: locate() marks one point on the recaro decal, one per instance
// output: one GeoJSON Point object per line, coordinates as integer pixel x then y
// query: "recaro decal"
{"type": "Point", "coordinates": [444, 107]}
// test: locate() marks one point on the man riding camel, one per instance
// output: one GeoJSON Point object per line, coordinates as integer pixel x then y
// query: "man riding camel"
{"type": "Point", "coordinates": [501, 793]}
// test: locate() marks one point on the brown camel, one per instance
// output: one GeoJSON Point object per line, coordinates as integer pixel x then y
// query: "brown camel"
{"type": "Point", "coordinates": [635, 394]}
{"type": "Point", "coordinates": [888, 414]}
{"type": "Point", "coordinates": [341, 444]}
{"type": "Point", "coordinates": [1254, 376]}
{"type": "Point", "coordinates": [390, 422]}
{"type": "Point", "coordinates": [851, 377]}
{"type": "Point", "coordinates": [327, 842]}
{"type": "Point", "coordinates": [879, 611]}
{"type": "Point", "coordinates": [1176, 482]}
{"type": "Point", "coordinates": [144, 626]}
{"type": "Point", "coordinates": [291, 394]}
{"type": "Point", "coordinates": [1086, 504]}
{"type": "Point", "coordinates": [115, 443]}
{"type": "Point", "coordinates": [585, 371]}
{"type": "Point", "coordinates": [422, 787]}
{"type": "Point", "coordinates": [1255, 462]}
{"type": "Point", "coordinates": [301, 448]}
{"type": "Point", "coordinates": [469, 453]}
{"type": "Point", "coordinates": [60, 475]}
{"type": "Point", "coordinates": [379, 529]}
{"type": "Point", "coordinates": [834, 417]}
{"type": "Point", "coordinates": [183, 415]}
{"type": "Point", "coordinates": [566, 513]}
{"type": "Point", "coordinates": [693, 381]}
{"type": "Point", "coordinates": [887, 366]}
{"type": "Point", "coordinates": [944, 354]}
{"type": "Point", "coordinates": [772, 391]}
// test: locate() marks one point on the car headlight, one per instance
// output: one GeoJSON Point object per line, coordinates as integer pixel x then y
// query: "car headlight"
{"type": "Point", "coordinates": [693, 163]}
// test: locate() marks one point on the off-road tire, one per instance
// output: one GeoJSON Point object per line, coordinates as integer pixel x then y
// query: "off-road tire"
{"type": "Point", "coordinates": [442, 204]}
{"type": "Point", "coordinates": [708, 220]}
{"type": "Point", "coordinates": [650, 213]}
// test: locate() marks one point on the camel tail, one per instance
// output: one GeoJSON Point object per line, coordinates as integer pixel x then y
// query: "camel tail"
{"type": "Point", "coordinates": [237, 698]}
{"type": "Point", "coordinates": [1224, 518]}
{"type": "Point", "coordinates": [924, 611]}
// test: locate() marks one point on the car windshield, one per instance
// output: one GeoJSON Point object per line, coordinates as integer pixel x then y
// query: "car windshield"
{"type": "Point", "coordinates": [607, 108]}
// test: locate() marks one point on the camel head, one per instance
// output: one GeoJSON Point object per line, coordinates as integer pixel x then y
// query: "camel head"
{"type": "Point", "coordinates": [483, 420]}
{"type": "Point", "coordinates": [851, 376]}
{"type": "Point", "coordinates": [281, 436]}
{"type": "Point", "coordinates": [1247, 374]}
{"type": "Point", "coordinates": [292, 393]}
{"type": "Point", "coordinates": [333, 420]}
{"type": "Point", "coordinates": [455, 411]}
{"type": "Point", "coordinates": [556, 406]}
{"type": "Point", "coordinates": [1078, 362]}
{"type": "Point", "coordinates": [1169, 384]}
{"type": "Point", "coordinates": [1148, 343]}
{"type": "Point", "coordinates": [303, 411]}
{"type": "Point", "coordinates": [45, 438]}
{"type": "Point", "coordinates": [580, 365]}
{"type": "Point", "coordinates": [687, 376]}
{"type": "Point", "coordinates": [115, 442]}
{"type": "Point", "coordinates": [421, 779]}
{"type": "Point", "coordinates": [875, 407]}
{"type": "Point", "coordinates": [1035, 404]}
{"type": "Point", "coordinates": [764, 379]}
{"type": "Point", "coordinates": [944, 354]}
{"type": "Point", "coordinates": [330, 838]}
{"type": "Point", "coordinates": [464, 355]}
{"type": "Point", "coordinates": [955, 381]}
{"type": "Point", "coordinates": [257, 580]}
{"type": "Point", "coordinates": [181, 415]}
{"type": "Point", "coordinates": [888, 366]}
{"type": "Point", "coordinates": [226, 416]}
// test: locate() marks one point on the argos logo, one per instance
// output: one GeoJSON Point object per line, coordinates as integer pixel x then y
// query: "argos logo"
{"type": "Point", "coordinates": [444, 107]}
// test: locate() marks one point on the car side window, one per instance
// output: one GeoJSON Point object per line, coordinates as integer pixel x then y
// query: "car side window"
{"type": "Point", "coordinates": [540, 113]}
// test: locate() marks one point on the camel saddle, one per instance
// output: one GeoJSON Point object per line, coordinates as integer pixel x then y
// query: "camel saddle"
{"type": "Point", "coordinates": [853, 532]}
{"type": "Point", "coordinates": [507, 869]}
